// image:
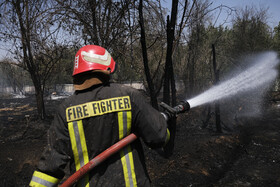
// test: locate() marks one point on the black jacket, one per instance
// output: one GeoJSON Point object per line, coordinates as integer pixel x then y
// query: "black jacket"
{"type": "Point", "coordinates": [92, 120]}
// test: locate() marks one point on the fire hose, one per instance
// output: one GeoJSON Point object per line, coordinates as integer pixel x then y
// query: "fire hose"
{"type": "Point", "coordinates": [170, 111]}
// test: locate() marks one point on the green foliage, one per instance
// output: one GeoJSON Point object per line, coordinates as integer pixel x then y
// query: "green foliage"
{"type": "Point", "coordinates": [250, 32]}
{"type": "Point", "coordinates": [276, 47]}
{"type": "Point", "coordinates": [276, 38]}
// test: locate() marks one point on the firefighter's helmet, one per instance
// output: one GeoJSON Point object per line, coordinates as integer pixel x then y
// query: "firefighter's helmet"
{"type": "Point", "coordinates": [93, 57]}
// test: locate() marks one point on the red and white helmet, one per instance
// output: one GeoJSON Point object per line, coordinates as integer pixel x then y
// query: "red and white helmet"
{"type": "Point", "coordinates": [93, 57]}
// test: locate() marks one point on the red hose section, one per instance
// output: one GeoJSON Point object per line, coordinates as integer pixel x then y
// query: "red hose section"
{"type": "Point", "coordinates": [98, 159]}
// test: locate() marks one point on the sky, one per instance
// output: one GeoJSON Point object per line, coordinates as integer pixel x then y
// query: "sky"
{"type": "Point", "coordinates": [272, 5]}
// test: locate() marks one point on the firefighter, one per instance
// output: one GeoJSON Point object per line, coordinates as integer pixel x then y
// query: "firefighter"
{"type": "Point", "coordinates": [96, 116]}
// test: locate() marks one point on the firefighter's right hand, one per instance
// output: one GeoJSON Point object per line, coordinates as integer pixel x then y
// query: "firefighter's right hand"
{"type": "Point", "coordinates": [168, 115]}
{"type": "Point", "coordinates": [169, 112]}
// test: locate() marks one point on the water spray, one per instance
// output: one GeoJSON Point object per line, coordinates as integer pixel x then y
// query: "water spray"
{"type": "Point", "coordinates": [257, 77]}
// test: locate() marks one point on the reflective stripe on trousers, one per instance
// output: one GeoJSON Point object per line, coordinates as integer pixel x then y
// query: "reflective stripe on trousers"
{"type": "Point", "coordinates": [40, 179]}
{"type": "Point", "coordinates": [124, 120]}
{"type": "Point", "coordinates": [79, 148]}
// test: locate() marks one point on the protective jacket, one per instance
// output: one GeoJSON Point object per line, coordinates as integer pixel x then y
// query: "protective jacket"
{"type": "Point", "coordinates": [92, 120]}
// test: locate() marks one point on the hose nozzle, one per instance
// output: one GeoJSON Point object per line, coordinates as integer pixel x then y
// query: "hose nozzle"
{"type": "Point", "coordinates": [184, 106]}
{"type": "Point", "coordinates": [181, 108]}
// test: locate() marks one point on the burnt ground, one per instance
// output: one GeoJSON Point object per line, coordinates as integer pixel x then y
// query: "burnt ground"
{"type": "Point", "coordinates": [247, 153]}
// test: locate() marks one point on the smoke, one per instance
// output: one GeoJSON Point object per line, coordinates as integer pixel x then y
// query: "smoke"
{"type": "Point", "coordinates": [249, 84]}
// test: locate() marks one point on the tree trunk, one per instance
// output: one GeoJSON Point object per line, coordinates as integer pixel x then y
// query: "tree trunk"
{"type": "Point", "coordinates": [28, 55]}
{"type": "Point", "coordinates": [94, 35]}
{"type": "Point", "coordinates": [145, 58]}
{"type": "Point", "coordinates": [169, 77]}
{"type": "Point", "coordinates": [40, 102]}
{"type": "Point", "coordinates": [166, 86]}
{"type": "Point", "coordinates": [217, 104]}
{"type": "Point", "coordinates": [169, 74]}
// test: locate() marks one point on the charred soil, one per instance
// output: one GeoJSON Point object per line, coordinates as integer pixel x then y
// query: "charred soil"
{"type": "Point", "coordinates": [247, 153]}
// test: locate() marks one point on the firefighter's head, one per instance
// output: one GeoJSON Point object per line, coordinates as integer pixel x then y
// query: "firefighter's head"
{"type": "Point", "coordinates": [93, 65]}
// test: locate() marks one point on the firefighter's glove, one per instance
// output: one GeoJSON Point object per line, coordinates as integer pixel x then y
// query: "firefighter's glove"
{"type": "Point", "coordinates": [168, 115]}
{"type": "Point", "coordinates": [169, 112]}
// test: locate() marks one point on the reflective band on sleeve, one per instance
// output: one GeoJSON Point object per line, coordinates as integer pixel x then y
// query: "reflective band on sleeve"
{"type": "Point", "coordinates": [40, 179]}
{"type": "Point", "coordinates": [79, 147]}
{"type": "Point", "coordinates": [167, 138]}
{"type": "Point", "coordinates": [124, 119]}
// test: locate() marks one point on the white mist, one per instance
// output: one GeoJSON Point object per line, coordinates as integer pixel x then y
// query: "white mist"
{"type": "Point", "coordinates": [260, 75]}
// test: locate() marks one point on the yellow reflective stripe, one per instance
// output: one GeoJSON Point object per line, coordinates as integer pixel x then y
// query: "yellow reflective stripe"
{"type": "Point", "coordinates": [124, 119]}
{"type": "Point", "coordinates": [79, 147]}
{"type": "Point", "coordinates": [97, 108]}
{"type": "Point", "coordinates": [123, 160]}
{"type": "Point", "coordinates": [35, 184]}
{"type": "Point", "coordinates": [120, 120]}
{"type": "Point", "coordinates": [83, 142]}
{"type": "Point", "coordinates": [128, 114]}
{"type": "Point", "coordinates": [74, 145]}
{"type": "Point", "coordinates": [132, 166]}
{"type": "Point", "coordinates": [128, 167]}
{"type": "Point", "coordinates": [125, 171]}
{"type": "Point", "coordinates": [40, 179]}
{"type": "Point", "coordinates": [167, 138]}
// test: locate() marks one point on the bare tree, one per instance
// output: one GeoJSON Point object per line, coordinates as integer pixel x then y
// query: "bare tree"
{"type": "Point", "coordinates": [145, 57]}
{"type": "Point", "coordinates": [30, 28]}
{"type": "Point", "coordinates": [169, 74]}
{"type": "Point", "coordinates": [101, 23]}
